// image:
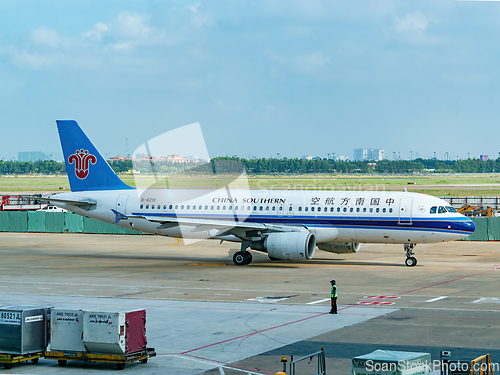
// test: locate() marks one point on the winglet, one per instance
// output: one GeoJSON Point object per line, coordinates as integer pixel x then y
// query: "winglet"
{"type": "Point", "coordinates": [119, 216]}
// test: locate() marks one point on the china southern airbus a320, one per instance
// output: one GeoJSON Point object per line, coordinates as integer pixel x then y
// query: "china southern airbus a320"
{"type": "Point", "coordinates": [286, 226]}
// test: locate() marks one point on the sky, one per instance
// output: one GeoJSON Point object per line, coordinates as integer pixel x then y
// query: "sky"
{"type": "Point", "coordinates": [294, 77]}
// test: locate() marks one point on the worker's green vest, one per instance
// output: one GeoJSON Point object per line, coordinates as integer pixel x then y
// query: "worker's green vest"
{"type": "Point", "coordinates": [334, 291]}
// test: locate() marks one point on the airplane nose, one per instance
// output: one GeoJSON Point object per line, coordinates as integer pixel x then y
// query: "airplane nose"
{"type": "Point", "coordinates": [469, 226]}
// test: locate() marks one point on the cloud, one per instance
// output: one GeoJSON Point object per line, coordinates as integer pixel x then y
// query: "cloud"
{"type": "Point", "coordinates": [198, 19]}
{"type": "Point", "coordinates": [311, 62]}
{"type": "Point", "coordinates": [97, 32]}
{"type": "Point", "coordinates": [132, 25]}
{"type": "Point", "coordinates": [43, 36]}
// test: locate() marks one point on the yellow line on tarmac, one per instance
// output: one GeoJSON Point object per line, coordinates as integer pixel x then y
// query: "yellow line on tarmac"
{"type": "Point", "coordinates": [178, 241]}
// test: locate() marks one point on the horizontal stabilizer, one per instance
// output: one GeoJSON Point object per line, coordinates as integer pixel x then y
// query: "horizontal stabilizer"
{"type": "Point", "coordinates": [82, 202]}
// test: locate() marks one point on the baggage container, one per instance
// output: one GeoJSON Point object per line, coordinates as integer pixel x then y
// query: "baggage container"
{"type": "Point", "coordinates": [24, 329]}
{"type": "Point", "coordinates": [115, 332]}
{"type": "Point", "coordinates": [66, 333]}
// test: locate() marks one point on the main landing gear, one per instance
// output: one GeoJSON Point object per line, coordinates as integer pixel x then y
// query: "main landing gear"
{"type": "Point", "coordinates": [243, 257]}
{"type": "Point", "coordinates": [410, 261]}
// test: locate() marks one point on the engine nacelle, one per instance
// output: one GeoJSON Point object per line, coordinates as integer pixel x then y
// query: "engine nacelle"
{"type": "Point", "coordinates": [291, 246]}
{"type": "Point", "coordinates": [339, 247]}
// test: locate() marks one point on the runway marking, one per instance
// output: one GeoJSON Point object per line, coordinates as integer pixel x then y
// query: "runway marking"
{"type": "Point", "coordinates": [436, 299]}
{"type": "Point", "coordinates": [446, 282]}
{"type": "Point", "coordinates": [228, 366]}
{"type": "Point", "coordinates": [178, 242]}
{"type": "Point", "coordinates": [319, 301]}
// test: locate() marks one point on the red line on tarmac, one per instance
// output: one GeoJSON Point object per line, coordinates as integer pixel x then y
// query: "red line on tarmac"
{"type": "Point", "coordinates": [253, 333]}
{"type": "Point", "coordinates": [445, 282]}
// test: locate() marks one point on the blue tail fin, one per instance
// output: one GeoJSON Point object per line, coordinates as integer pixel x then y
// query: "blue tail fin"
{"type": "Point", "coordinates": [87, 169]}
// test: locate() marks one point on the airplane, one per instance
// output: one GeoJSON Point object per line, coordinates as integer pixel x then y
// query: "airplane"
{"type": "Point", "coordinates": [287, 225]}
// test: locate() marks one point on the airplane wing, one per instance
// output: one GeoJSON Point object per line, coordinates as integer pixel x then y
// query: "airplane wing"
{"type": "Point", "coordinates": [241, 229]}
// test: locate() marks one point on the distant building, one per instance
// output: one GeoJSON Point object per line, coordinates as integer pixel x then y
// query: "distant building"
{"type": "Point", "coordinates": [369, 154]}
{"type": "Point", "coordinates": [31, 156]}
{"type": "Point", "coordinates": [483, 157]}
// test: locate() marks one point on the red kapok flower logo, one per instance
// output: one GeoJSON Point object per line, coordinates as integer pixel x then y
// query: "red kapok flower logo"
{"type": "Point", "coordinates": [82, 158]}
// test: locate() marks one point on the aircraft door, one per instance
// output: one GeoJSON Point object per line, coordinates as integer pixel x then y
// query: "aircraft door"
{"type": "Point", "coordinates": [121, 204]}
{"type": "Point", "coordinates": [405, 205]}
{"type": "Point", "coordinates": [290, 210]}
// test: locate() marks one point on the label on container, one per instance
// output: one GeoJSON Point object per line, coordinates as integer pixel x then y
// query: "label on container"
{"type": "Point", "coordinates": [31, 319]}
{"type": "Point", "coordinates": [9, 317]}
{"type": "Point", "coordinates": [71, 317]}
{"type": "Point", "coordinates": [100, 319]}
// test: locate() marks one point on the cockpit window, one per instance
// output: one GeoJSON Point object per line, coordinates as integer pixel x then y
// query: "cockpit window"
{"type": "Point", "coordinates": [441, 210]}
{"type": "Point", "coordinates": [451, 209]}
{"type": "Point", "coordinates": [433, 210]}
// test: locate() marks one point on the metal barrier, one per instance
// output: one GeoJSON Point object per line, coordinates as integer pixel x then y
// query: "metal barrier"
{"type": "Point", "coordinates": [321, 362]}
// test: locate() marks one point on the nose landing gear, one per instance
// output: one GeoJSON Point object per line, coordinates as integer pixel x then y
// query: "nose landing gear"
{"type": "Point", "coordinates": [410, 261]}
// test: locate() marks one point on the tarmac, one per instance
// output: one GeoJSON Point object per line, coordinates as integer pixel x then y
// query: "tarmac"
{"type": "Point", "coordinates": [206, 315]}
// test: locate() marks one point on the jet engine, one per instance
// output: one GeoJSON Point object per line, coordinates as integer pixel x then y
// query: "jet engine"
{"type": "Point", "coordinates": [291, 246]}
{"type": "Point", "coordinates": [339, 247]}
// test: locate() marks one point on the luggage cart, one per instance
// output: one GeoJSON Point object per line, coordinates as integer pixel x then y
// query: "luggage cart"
{"type": "Point", "coordinates": [8, 360]}
{"type": "Point", "coordinates": [120, 359]}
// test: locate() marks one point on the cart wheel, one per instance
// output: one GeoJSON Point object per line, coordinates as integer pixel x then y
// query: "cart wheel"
{"type": "Point", "coordinates": [8, 366]}
{"type": "Point", "coordinates": [120, 366]}
{"type": "Point", "coordinates": [62, 362]}
{"type": "Point", "coordinates": [145, 360]}
{"type": "Point", "coordinates": [35, 360]}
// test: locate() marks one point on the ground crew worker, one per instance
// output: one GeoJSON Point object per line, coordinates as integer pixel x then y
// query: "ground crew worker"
{"type": "Point", "coordinates": [334, 297]}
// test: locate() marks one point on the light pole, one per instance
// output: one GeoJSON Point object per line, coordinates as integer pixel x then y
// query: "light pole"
{"type": "Point", "coordinates": [394, 152]}
{"type": "Point", "coordinates": [411, 155]}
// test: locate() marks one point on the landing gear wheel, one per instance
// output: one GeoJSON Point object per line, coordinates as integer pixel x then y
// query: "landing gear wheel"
{"type": "Point", "coordinates": [411, 262]}
{"type": "Point", "coordinates": [249, 257]}
{"type": "Point", "coordinates": [239, 258]}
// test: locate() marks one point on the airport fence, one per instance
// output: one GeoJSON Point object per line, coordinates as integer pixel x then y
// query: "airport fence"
{"type": "Point", "coordinates": [56, 222]}
{"type": "Point", "coordinates": [487, 229]}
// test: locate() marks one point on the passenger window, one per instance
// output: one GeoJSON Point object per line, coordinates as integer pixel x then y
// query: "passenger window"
{"type": "Point", "coordinates": [187, 207]}
{"type": "Point", "coordinates": [206, 207]}
{"type": "Point", "coordinates": [306, 208]}
{"type": "Point", "coordinates": [152, 207]}
{"type": "Point", "coordinates": [141, 206]}
{"type": "Point", "coordinates": [345, 209]}
{"type": "Point", "coordinates": [224, 207]}
{"type": "Point", "coordinates": [236, 208]}
{"type": "Point", "coordinates": [371, 209]}
{"type": "Point", "coordinates": [378, 209]}
{"type": "Point", "coordinates": [290, 208]}
{"type": "Point", "coordinates": [261, 208]}
{"type": "Point", "coordinates": [248, 208]}
{"type": "Point", "coordinates": [441, 210]}
{"type": "Point", "coordinates": [159, 207]}
{"type": "Point", "coordinates": [351, 209]}
{"type": "Point", "coordinates": [390, 209]}
{"type": "Point", "coordinates": [147, 206]}
{"type": "Point", "coordinates": [255, 208]}
{"type": "Point", "coordinates": [194, 207]}
{"type": "Point", "coordinates": [357, 209]}
{"type": "Point", "coordinates": [200, 207]}
{"type": "Point", "coordinates": [230, 207]}
{"type": "Point", "coordinates": [331, 209]}
{"type": "Point", "coordinates": [364, 209]}
{"type": "Point", "coordinates": [267, 208]}
{"type": "Point", "coordinates": [433, 210]}
{"type": "Point", "coordinates": [164, 206]}
{"type": "Point", "coordinates": [338, 209]}
{"type": "Point", "coordinates": [274, 208]}
{"type": "Point", "coordinates": [281, 208]}
{"type": "Point", "coordinates": [312, 208]}
{"type": "Point", "coordinates": [218, 207]}
{"type": "Point", "coordinates": [211, 207]}
{"type": "Point", "coordinates": [170, 207]}
{"type": "Point", "coordinates": [300, 208]}
{"type": "Point", "coordinates": [326, 209]}
{"type": "Point", "coordinates": [383, 210]}
{"type": "Point", "coordinates": [176, 206]}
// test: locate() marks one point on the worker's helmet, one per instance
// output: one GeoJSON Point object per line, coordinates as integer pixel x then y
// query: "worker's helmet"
{"type": "Point", "coordinates": [332, 282]}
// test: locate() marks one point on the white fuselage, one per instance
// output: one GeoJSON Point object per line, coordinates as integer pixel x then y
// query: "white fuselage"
{"type": "Point", "coordinates": [333, 216]}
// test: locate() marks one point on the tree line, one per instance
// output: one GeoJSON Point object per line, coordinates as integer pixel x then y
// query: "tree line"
{"type": "Point", "coordinates": [235, 165]}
